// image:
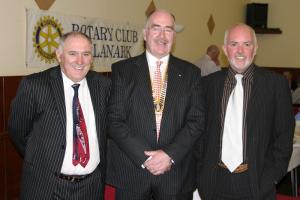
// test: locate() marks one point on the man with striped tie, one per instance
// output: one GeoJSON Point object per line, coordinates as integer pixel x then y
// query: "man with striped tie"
{"type": "Point", "coordinates": [155, 116]}
{"type": "Point", "coordinates": [58, 123]}
{"type": "Point", "coordinates": [249, 131]}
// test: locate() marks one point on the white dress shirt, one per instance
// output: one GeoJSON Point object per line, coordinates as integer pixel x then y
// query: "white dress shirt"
{"type": "Point", "coordinates": [87, 108]}
{"type": "Point", "coordinates": [207, 65]}
{"type": "Point", "coordinates": [152, 64]}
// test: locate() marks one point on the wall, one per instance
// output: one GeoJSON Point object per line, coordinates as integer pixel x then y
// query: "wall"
{"type": "Point", "coordinates": [10, 161]}
{"type": "Point", "coordinates": [190, 45]}
{"type": "Point", "coordinates": [274, 50]}
{"type": "Point", "coordinates": [280, 50]}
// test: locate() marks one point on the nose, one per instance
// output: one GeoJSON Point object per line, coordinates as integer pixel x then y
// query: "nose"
{"type": "Point", "coordinates": [240, 48]}
{"type": "Point", "coordinates": [162, 33]}
{"type": "Point", "coordinates": [79, 59]}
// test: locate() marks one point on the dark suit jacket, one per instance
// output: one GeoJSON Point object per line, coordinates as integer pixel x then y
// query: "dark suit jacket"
{"type": "Point", "coordinates": [132, 125]}
{"type": "Point", "coordinates": [270, 127]}
{"type": "Point", "coordinates": [37, 127]}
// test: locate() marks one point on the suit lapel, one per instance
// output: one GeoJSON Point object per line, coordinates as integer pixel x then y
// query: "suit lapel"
{"type": "Point", "coordinates": [213, 96]}
{"type": "Point", "coordinates": [256, 96]}
{"type": "Point", "coordinates": [143, 80]}
{"type": "Point", "coordinates": [97, 96]}
{"type": "Point", "coordinates": [174, 86]}
{"type": "Point", "coordinates": [56, 83]}
{"type": "Point", "coordinates": [219, 85]}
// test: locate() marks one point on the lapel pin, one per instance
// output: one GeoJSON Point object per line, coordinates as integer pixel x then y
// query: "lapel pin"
{"type": "Point", "coordinates": [179, 75]}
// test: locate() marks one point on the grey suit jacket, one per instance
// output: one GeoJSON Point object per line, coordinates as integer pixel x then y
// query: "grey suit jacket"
{"type": "Point", "coordinates": [270, 127]}
{"type": "Point", "coordinates": [37, 126]}
{"type": "Point", "coordinates": [132, 126]}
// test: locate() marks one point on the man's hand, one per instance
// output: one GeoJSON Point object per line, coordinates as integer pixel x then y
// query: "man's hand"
{"type": "Point", "coordinates": [159, 162]}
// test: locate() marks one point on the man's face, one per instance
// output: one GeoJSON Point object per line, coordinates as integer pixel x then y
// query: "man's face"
{"type": "Point", "coordinates": [159, 34]}
{"type": "Point", "coordinates": [75, 58]}
{"type": "Point", "coordinates": [240, 48]}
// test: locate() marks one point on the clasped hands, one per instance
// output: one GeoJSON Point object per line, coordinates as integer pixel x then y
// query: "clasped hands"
{"type": "Point", "coordinates": [158, 162]}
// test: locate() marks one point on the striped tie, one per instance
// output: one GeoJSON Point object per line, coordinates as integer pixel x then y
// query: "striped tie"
{"type": "Point", "coordinates": [81, 151]}
{"type": "Point", "coordinates": [157, 86]}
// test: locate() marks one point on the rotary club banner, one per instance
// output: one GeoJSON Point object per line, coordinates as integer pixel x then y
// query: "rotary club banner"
{"type": "Point", "coordinates": [112, 41]}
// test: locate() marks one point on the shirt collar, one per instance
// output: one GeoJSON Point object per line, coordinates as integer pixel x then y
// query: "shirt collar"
{"type": "Point", "coordinates": [68, 82]}
{"type": "Point", "coordinates": [152, 59]}
{"type": "Point", "coordinates": [246, 74]}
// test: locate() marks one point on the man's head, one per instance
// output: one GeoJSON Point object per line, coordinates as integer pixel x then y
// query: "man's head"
{"type": "Point", "coordinates": [74, 55]}
{"type": "Point", "coordinates": [213, 52]}
{"type": "Point", "coordinates": [159, 33]}
{"type": "Point", "coordinates": [240, 46]}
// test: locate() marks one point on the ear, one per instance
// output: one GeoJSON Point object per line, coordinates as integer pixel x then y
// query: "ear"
{"type": "Point", "coordinates": [144, 33]}
{"type": "Point", "coordinates": [58, 55]}
{"type": "Point", "coordinates": [174, 36]}
{"type": "Point", "coordinates": [224, 50]}
{"type": "Point", "coordinates": [255, 49]}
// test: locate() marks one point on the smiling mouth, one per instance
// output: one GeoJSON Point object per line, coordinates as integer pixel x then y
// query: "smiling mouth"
{"type": "Point", "coordinates": [162, 42]}
{"type": "Point", "coordinates": [78, 67]}
{"type": "Point", "coordinates": [240, 57]}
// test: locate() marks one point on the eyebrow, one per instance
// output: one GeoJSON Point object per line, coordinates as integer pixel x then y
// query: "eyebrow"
{"type": "Point", "coordinates": [158, 25]}
{"type": "Point", "coordinates": [74, 51]}
{"type": "Point", "coordinates": [233, 41]}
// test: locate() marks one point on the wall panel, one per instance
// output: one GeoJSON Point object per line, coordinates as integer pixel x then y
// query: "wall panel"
{"type": "Point", "coordinates": [11, 84]}
{"type": "Point", "coordinates": [1, 105]}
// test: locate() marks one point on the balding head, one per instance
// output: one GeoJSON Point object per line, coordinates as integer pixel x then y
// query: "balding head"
{"type": "Point", "coordinates": [213, 51]}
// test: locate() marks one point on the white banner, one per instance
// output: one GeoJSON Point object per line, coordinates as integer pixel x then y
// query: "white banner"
{"type": "Point", "coordinates": [112, 41]}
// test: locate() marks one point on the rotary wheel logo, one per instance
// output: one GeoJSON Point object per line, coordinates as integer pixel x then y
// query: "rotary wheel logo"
{"type": "Point", "coordinates": [46, 38]}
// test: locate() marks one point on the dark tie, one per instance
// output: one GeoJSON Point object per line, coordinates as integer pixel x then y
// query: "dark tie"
{"type": "Point", "coordinates": [81, 151]}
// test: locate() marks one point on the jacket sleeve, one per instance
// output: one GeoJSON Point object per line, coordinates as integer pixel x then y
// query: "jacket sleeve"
{"type": "Point", "coordinates": [277, 159]}
{"type": "Point", "coordinates": [193, 128]}
{"type": "Point", "coordinates": [22, 114]}
{"type": "Point", "coordinates": [132, 145]}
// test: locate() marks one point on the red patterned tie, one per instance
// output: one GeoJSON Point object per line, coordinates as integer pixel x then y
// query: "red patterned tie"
{"type": "Point", "coordinates": [81, 151]}
{"type": "Point", "coordinates": [157, 85]}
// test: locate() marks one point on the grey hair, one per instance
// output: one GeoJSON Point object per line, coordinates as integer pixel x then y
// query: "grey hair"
{"type": "Point", "coordinates": [158, 10]}
{"type": "Point", "coordinates": [241, 24]}
{"type": "Point", "coordinates": [65, 36]}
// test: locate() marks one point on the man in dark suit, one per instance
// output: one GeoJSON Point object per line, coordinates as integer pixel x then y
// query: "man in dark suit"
{"type": "Point", "coordinates": [263, 145]}
{"type": "Point", "coordinates": [63, 141]}
{"type": "Point", "coordinates": [153, 126]}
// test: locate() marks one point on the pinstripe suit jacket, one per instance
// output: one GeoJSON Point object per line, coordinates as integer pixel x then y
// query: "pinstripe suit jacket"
{"type": "Point", "coordinates": [270, 128]}
{"type": "Point", "coordinates": [37, 126]}
{"type": "Point", "coordinates": [132, 125]}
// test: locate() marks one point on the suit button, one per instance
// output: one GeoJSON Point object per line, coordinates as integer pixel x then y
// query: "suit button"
{"type": "Point", "coordinates": [154, 130]}
{"type": "Point", "coordinates": [63, 147]}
